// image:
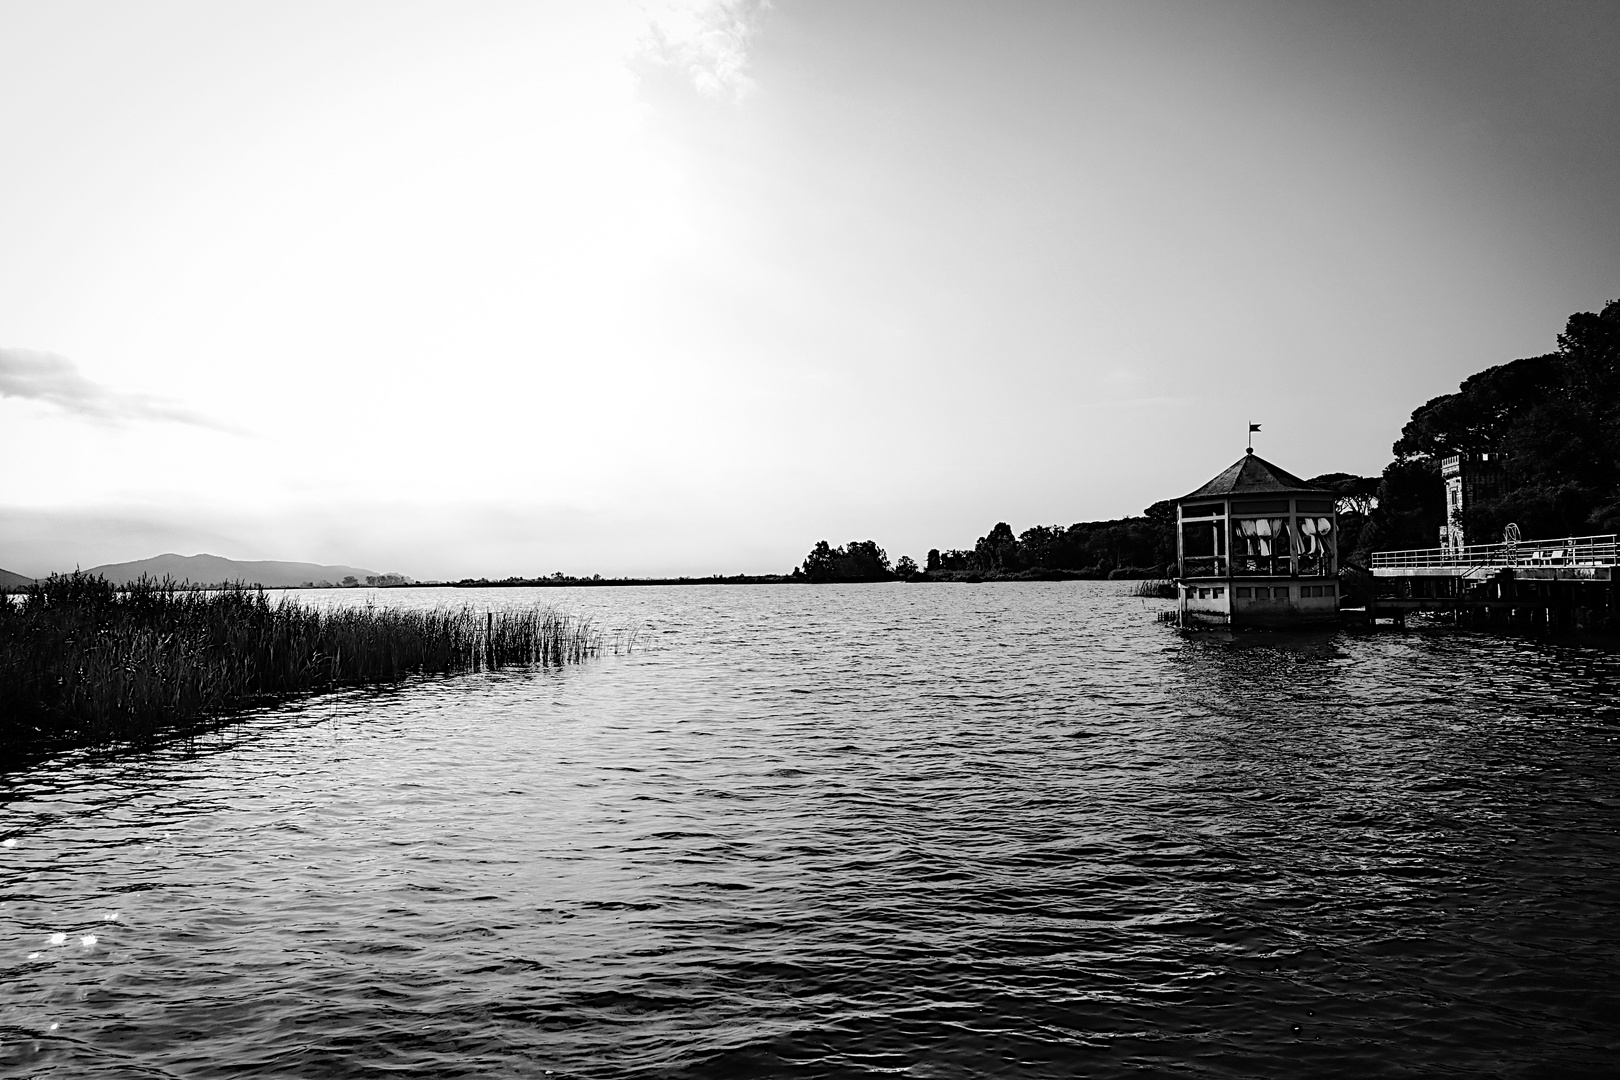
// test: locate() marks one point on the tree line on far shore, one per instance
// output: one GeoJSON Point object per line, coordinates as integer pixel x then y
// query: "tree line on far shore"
{"type": "Point", "coordinates": [1132, 547]}
{"type": "Point", "coordinates": [1550, 423]}
{"type": "Point", "coordinates": [1128, 547]}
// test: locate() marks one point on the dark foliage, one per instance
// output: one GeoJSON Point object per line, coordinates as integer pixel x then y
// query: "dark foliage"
{"type": "Point", "coordinates": [1356, 494]}
{"type": "Point", "coordinates": [1126, 547]}
{"type": "Point", "coordinates": [859, 560]}
{"type": "Point", "coordinates": [1357, 498]}
{"type": "Point", "coordinates": [565, 581]}
{"type": "Point", "coordinates": [1554, 419]}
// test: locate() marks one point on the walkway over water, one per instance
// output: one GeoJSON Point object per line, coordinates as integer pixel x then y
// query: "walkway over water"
{"type": "Point", "coordinates": [1568, 582]}
{"type": "Point", "coordinates": [1573, 554]}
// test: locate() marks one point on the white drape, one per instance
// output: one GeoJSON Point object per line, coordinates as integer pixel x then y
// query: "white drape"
{"type": "Point", "coordinates": [1259, 536]}
{"type": "Point", "coordinates": [1314, 533]}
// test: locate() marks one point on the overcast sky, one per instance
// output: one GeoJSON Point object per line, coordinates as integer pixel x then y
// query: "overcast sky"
{"type": "Point", "coordinates": [649, 288]}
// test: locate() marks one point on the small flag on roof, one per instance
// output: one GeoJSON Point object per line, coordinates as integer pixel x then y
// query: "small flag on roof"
{"type": "Point", "coordinates": [1254, 427]}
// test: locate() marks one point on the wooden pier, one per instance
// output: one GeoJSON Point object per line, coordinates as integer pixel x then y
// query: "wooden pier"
{"type": "Point", "coordinates": [1568, 583]}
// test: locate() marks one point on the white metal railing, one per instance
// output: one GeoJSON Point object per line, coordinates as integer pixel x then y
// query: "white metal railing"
{"type": "Point", "coordinates": [1570, 551]}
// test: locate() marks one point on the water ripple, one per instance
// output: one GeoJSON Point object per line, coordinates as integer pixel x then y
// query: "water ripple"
{"type": "Point", "coordinates": [877, 830]}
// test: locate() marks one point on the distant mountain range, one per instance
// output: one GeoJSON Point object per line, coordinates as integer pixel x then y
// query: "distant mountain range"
{"type": "Point", "coordinates": [8, 580]}
{"type": "Point", "coordinates": [214, 570]}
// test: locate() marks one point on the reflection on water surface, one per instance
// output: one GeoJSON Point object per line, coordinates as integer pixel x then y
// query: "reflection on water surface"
{"type": "Point", "coordinates": [932, 830]}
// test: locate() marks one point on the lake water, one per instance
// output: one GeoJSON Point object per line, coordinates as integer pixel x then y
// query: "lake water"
{"type": "Point", "coordinates": [929, 831]}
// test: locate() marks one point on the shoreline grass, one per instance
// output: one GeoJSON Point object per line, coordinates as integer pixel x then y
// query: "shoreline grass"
{"type": "Point", "coordinates": [84, 662]}
{"type": "Point", "coordinates": [1155, 589]}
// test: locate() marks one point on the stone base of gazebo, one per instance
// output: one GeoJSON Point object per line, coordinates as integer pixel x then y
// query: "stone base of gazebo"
{"type": "Point", "coordinates": [1260, 602]}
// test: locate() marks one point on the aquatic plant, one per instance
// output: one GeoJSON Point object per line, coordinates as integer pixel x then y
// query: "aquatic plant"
{"type": "Point", "coordinates": [83, 661]}
{"type": "Point", "coordinates": [1155, 589]}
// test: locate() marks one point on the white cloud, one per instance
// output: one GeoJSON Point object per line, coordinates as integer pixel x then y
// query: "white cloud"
{"type": "Point", "coordinates": [46, 377]}
{"type": "Point", "coordinates": [705, 39]}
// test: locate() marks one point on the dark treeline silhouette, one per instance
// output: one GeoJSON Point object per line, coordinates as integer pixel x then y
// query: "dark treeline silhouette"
{"type": "Point", "coordinates": [1358, 496]}
{"type": "Point", "coordinates": [1125, 547]}
{"type": "Point", "coordinates": [1132, 547]}
{"type": "Point", "coordinates": [1555, 422]}
{"type": "Point", "coordinates": [560, 580]}
{"type": "Point", "coordinates": [859, 560]}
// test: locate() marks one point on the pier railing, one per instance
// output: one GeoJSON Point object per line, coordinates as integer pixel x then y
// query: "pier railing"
{"type": "Point", "coordinates": [1570, 551]}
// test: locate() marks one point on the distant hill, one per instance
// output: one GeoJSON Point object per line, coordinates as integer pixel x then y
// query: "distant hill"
{"type": "Point", "coordinates": [8, 580]}
{"type": "Point", "coordinates": [214, 570]}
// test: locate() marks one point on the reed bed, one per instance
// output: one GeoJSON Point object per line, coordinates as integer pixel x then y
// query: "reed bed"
{"type": "Point", "coordinates": [1155, 589]}
{"type": "Point", "coordinates": [85, 662]}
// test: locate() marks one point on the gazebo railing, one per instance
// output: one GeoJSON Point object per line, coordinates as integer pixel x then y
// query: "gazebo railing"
{"type": "Point", "coordinates": [1307, 564]}
{"type": "Point", "coordinates": [1201, 566]}
{"type": "Point", "coordinates": [1262, 565]}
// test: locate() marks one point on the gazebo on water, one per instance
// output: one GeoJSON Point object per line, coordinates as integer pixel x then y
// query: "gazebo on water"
{"type": "Point", "coordinates": [1257, 546]}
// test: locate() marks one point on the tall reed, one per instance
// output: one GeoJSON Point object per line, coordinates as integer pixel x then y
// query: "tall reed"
{"type": "Point", "coordinates": [1154, 589]}
{"type": "Point", "coordinates": [82, 661]}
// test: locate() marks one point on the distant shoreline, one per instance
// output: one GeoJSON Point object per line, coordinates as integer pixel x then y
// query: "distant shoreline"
{"type": "Point", "coordinates": [570, 583]}
{"type": "Point", "coordinates": [958, 577]}
{"type": "Point", "coordinates": [935, 577]}
{"type": "Point", "coordinates": [961, 577]}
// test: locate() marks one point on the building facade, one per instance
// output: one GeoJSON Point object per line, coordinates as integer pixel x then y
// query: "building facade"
{"type": "Point", "coordinates": [1469, 478]}
{"type": "Point", "coordinates": [1257, 547]}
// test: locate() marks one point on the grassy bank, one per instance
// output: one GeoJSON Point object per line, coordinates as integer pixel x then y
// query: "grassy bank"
{"type": "Point", "coordinates": [83, 662]}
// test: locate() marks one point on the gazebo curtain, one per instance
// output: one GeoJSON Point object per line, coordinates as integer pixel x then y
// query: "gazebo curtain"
{"type": "Point", "coordinates": [1315, 533]}
{"type": "Point", "coordinates": [1260, 536]}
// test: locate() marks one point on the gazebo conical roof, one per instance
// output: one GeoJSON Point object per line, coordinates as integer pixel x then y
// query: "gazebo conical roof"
{"type": "Point", "coordinates": [1252, 474]}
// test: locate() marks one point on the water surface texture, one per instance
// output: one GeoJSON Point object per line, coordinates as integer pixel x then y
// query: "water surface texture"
{"type": "Point", "coordinates": [929, 831]}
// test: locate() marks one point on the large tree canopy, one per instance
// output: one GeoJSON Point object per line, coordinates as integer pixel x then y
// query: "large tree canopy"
{"type": "Point", "coordinates": [859, 560]}
{"type": "Point", "coordinates": [1555, 421]}
{"type": "Point", "coordinates": [1089, 548]}
{"type": "Point", "coordinates": [1356, 494]}
{"type": "Point", "coordinates": [1479, 415]}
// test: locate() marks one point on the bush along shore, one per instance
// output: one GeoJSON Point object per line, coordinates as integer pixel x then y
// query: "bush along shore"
{"type": "Point", "coordinates": [84, 662]}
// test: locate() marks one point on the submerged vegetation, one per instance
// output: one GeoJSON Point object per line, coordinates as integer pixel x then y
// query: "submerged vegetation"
{"type": "Point", "coordinates": [84, 661]}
